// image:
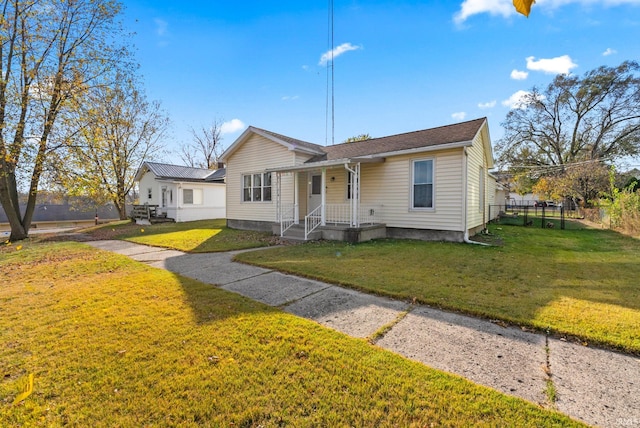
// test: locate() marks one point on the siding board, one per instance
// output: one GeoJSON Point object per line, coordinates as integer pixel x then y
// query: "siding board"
{"type": "Point", "coordinates": [254, 156]}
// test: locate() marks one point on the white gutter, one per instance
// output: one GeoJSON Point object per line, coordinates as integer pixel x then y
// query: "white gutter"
{"type": "Point", "coordinates": [465, 238]}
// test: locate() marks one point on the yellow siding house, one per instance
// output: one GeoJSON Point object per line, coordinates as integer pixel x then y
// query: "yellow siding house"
{"type": "Point", "coordinates": [432, 184]}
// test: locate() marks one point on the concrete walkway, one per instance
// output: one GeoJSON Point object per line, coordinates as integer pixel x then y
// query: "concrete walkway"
{"type": "Point", "coordinates": [599, 387]}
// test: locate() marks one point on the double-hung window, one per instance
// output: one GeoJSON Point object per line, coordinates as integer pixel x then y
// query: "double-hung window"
{"type": "Point", "coordinates": [256, 187]}
{"type": "Point", "coordinates": [422, 184]}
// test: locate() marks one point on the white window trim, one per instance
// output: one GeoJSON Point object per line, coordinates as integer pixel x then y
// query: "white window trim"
{"type": "Point", "coordinates": [433, 186]}
{"type": "Point", "coordinates": [262, 201]}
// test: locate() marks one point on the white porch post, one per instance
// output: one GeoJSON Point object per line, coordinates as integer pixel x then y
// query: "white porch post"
{"type": "Point", "coordinates": [323, 201]}
{"type": "Point", "coordinates": [296, 203]}
{"type": "Point", "coordinates": [356, 198]}
{"type": "Point", "coordinates": [278, 197]}
{"type": "Point", "coordinates": [354, 174]}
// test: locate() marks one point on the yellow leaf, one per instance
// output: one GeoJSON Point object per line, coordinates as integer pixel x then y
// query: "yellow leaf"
{"type": "Point", "coordinates": [524, 6]}
{"type": "Point", "coordinates": [27, 389]}
{"type": "Point", "coordinates": [141, 230]}
{"type": "Point", "coordinates": [19, 247]}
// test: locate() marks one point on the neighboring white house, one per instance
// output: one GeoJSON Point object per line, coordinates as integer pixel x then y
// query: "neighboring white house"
{"type": "Point", "coordinates": [183, 193]}
{"type": "Point", "coordinates": [430, 184]}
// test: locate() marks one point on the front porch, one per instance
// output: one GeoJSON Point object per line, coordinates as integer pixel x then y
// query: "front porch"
{"type": "Point", "coordinates": [306, 207]}
{"type": "Point", "coordinates": [334, 229]}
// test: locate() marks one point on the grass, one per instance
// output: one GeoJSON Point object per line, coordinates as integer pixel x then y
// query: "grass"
{"type": "Point", "coordinates": [112, 342]}
{"type": "Point", "coordinates": [580, 283]}
{"type": "Point", "coordinates": [204, 236]}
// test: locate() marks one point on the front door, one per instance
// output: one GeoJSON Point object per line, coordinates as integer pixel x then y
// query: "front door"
{"type": "Point", "coordinates": [315, 192]}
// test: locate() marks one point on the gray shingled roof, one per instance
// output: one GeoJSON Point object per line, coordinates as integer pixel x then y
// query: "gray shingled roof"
{"type": "Point", "coordinates": [456, 133]}
{"type": "Point", "coordinates": [185, 173]}
{"type": "Point", "coordinates": [218, 175]}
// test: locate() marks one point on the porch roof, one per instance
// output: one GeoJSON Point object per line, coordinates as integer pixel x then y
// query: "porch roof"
{"type": "Point", "coordinates": [310, 166]}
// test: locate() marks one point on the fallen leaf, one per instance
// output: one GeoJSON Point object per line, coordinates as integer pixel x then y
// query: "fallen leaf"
{"type": "Point", "coordinates": [27, 389]}
{"type": "Point", "coordinates": [523, 6]}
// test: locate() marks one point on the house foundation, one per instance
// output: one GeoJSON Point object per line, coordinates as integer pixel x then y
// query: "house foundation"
{"type": "Point", "coordinates": [425, 234]}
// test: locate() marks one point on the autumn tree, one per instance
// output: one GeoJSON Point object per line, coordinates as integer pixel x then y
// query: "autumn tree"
{"type": "Point", "coordinates": [583, 182]}
{"type": "Point", "coordinates": [360, 137]}
{"type": "Point", "coordinates": [117, 129]}
{"type": "Point", "coordinates": [576, 119]}
{"type": "Point", "coordinates": [50, 52]}
{"type": "Point", "coordinates": [206, 147]}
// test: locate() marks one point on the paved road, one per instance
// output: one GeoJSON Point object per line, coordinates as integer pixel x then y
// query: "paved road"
{"type": "Point", "coordinates": [599, 387]}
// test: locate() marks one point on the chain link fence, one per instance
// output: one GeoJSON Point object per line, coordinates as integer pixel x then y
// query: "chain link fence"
{"type": "Point", "coordinates": [548, 217]}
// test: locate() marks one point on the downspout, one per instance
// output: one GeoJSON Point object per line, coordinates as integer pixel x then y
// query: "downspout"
{"type": "Point", "coordinates": [465, 238]}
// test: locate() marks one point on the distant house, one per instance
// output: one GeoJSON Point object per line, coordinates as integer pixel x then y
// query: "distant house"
{"type": "Point", "coordinates": [183, 193]}
{"type": "Point", "coordinates": [432, 184]}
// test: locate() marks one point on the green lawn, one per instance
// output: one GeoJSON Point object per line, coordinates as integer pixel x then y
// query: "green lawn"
{"type": "Point", "coordinates": [113, 342]}
{"type": "Point", "coordinates": [204, 236]}
{"type": "Point", "coordinates": [581, 282]}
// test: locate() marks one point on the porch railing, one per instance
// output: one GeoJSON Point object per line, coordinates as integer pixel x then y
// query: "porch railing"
{"type": "Point", "coordinates": [287, 217]}
{"type": "Point", "coordinates": [341, 214]}
{"type": "Point", "coordinates": [370, 214]}
{"type": "Point", "coordinates": [312, 221]}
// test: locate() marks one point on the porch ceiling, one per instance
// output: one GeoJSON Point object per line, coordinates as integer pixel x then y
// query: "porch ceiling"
{"type": "Point", "coordinates": [326, 164]}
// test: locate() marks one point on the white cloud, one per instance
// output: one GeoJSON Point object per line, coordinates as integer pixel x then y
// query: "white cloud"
{"type": "Point", "coordinates": [161, 26]}
{"type": "Point", "coordinates": [234, 125]}
{"type": "Point", "coordinates": [558, 65]}
{"type": "Point", "coordinates": [345, 47]}
{"type": "Point", "coordinates": [459, 115]}
{"type": "Point", "coordinates": [505, 8]}
{"type": "Point", "coordinates": [290, 97]}
{"type": "Point", "coordinates": [606, 3]}
{"type": "Point", "coordinates": [609, 51]}
{"type": "Point", "coordinates": [519, 100]}
{"type": "Point", "coordinates": [489, 104]}
{"type": "Point", "coordinates": [519, 75]}
{"type": "Point", "coordinates": [473, 7]}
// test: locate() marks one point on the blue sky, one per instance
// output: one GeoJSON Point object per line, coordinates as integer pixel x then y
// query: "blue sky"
{"type": "Point", "coordinates": [401, 65]}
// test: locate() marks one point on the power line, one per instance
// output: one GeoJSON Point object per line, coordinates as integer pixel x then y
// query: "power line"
{"type": "Point", "coordinates": [561, 166]}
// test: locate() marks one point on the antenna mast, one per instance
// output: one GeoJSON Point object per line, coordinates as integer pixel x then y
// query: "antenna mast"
{"type": "Point", "coordinates": [330, 78]}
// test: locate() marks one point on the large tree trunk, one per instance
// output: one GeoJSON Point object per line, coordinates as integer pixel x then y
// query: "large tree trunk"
{"type": "Point", "coordinates": [121, 207]}
{"type": "Point", "coordinates": [10, 204]}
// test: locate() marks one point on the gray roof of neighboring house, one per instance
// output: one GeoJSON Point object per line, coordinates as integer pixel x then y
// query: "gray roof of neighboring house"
{"type": "Point", "coordinates": [218, 175]}
{"type": "Point", "coordinates": [184, 173]}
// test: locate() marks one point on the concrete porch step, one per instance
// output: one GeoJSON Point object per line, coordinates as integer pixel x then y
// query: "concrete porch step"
{"type": "Point", "coordinates": [296, 233]}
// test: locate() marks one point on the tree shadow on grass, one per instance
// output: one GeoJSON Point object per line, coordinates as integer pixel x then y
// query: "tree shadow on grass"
{"type": "Point", "coordinates": [209, 304]}
{"type": "Point", "coordinates": [202, 275]}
